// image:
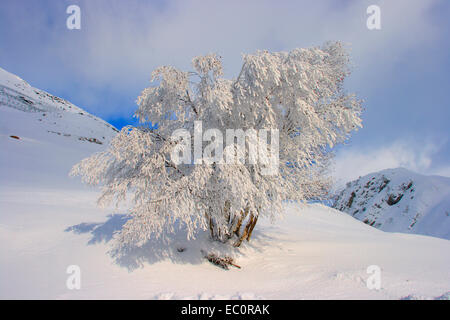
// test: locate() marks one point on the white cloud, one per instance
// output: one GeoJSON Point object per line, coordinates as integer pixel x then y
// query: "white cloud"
{"type": "Point", "coordinates": [138, 37]}
{"type": "Point", "coordinates": [121, 43]}
{"type": "Point", "coordinates": [416, 156]}
{"type": "Point", "coordinates": [109, 61]}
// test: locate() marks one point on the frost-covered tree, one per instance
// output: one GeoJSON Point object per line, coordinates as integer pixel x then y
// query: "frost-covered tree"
{"type": "Point", "coordinates": [299, 93]}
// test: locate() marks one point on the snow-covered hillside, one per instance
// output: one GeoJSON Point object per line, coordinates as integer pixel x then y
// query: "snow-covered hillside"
{"type": "Point", "coordinates": [399, 200]}
{"type": "Point", "coordinates": [35, 125]}
{"type": "Point", "coordinates": [49, 221]}
{"type": "Point", "coordinates": [51, 114]}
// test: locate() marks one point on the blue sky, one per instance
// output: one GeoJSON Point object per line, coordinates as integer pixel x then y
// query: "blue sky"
{"type": "Point", "coordinates": [401, 71]}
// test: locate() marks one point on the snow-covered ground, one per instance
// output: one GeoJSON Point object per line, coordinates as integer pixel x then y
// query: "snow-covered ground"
{"type": "Point", "coordinates": [49, 221]}
{"type": "Point", "coordinates": [399, 200]}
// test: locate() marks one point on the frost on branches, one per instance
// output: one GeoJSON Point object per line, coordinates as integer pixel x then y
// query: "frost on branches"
{"type": "Point", "coordinates": [300, 93]}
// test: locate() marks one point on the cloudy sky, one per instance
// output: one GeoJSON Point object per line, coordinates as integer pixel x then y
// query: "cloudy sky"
{"type": "Point", "coordinates": [401, 71]}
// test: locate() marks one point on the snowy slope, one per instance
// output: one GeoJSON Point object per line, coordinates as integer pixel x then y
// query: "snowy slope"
{"type": "Point", "coordinates": [54, 115]}
{"type": "Point", "coordinates": [399, 200]}
{"type": "Point", "coordinates": [35, 124]}
{"type": "Point", "coordinates": [49, 221]}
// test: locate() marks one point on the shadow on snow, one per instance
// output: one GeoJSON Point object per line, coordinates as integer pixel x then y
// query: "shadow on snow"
{"type": "Point", "coordinates": [172, 246]}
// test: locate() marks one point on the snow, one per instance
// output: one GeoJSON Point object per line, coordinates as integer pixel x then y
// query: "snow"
{"type": "Point", "coordinates": [19, 95]}
{"type": "Point", "coordinates": [49, 221]}
{"type": "Point", "coordinates": [418, 204]}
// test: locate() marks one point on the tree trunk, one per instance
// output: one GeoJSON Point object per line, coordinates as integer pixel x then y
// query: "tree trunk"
{"type": "Point", "coordinates": [248, 229]}
{"type": "Point", "coordinates": [236, 226]}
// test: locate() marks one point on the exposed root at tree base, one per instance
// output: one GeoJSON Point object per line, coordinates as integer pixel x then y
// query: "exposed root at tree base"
{"type": "Point", "coordinates": [222, 262]}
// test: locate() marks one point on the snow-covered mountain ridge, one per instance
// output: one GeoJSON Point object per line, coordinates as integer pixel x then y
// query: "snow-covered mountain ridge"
{"type": "Point", "coordinates": [54, 115]}
{"type": "Point", "coordinates": [399, 200]}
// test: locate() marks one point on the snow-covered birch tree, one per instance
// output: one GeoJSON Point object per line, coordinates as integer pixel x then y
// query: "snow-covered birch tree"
{"type": "Point", "coordinates": [298, 93]}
